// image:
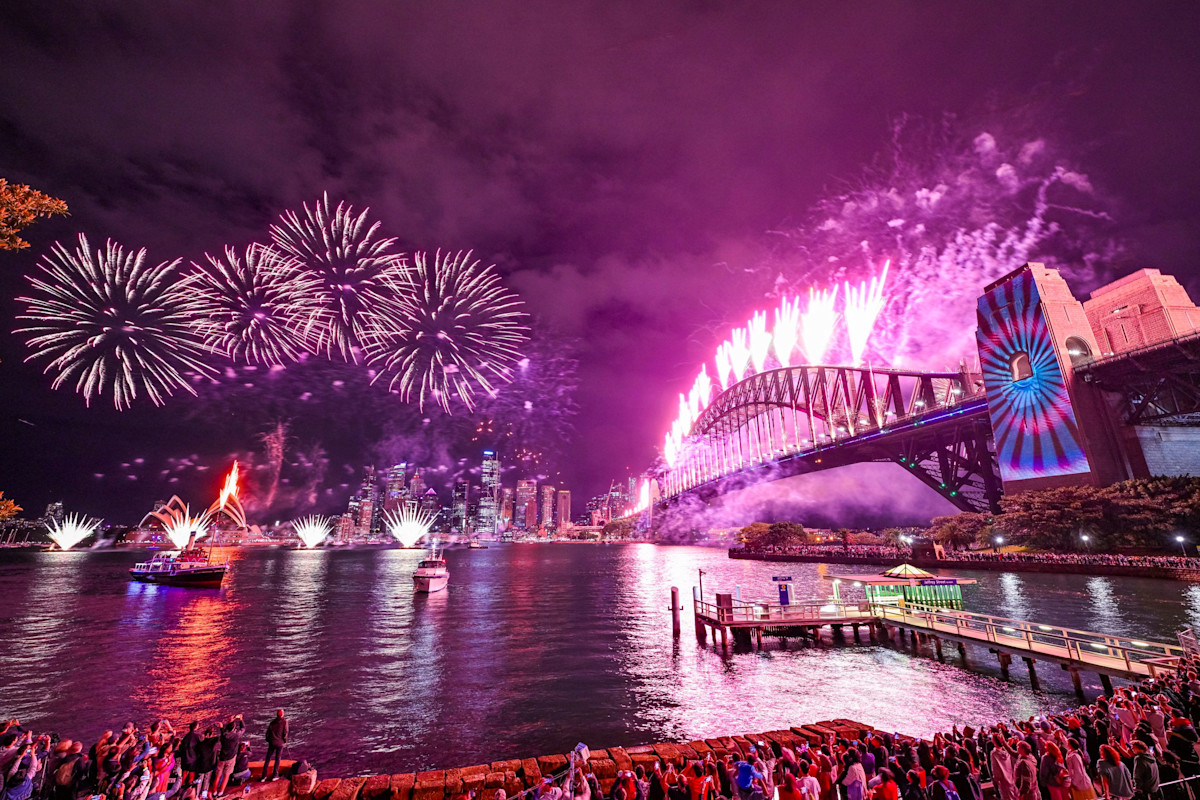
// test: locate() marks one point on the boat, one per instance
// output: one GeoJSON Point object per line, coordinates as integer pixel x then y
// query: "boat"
{"type": "Point", "coordinates": [476, 545]}
{"type": "Point", "coordinates": [431, 574]}
{"type": "Point", "coordinates": [191, 567]}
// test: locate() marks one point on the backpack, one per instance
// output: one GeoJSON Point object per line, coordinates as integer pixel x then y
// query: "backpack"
{"type": "Point", "coordinates": [65, 774]}
{"type": "Point", "coordinates": [951, 792]}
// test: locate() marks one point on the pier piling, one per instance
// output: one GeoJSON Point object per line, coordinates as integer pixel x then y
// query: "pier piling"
{"type": "Point", "coordinates": [1033, 678]}
{"type": "Point", "coordinates": [676, 626]}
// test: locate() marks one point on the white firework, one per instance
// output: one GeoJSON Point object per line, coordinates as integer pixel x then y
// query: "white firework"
{"type": "Point", "coordinates": [112, 323]}
{"type": "Point", "coordinates": [350, 265]}
{"type": "Point", "coordinates": [72, 530]}
{"type": "Point", "coordinates": [253, 307]}
{"type": "Point", "coordinates": [818, 324]}
{"type": "Point", "coordinates": [178, 522]}
{"type": "Point", "coordinates": [409, 524]}
{"type": "Point", "coordinates": [447, 330]}
{"type": "Point", "coordinates": [312, 530]}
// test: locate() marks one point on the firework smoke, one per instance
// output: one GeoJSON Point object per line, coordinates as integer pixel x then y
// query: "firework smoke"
{"type": "Point", "coordinates": [112, 323]}
{"type": "Point", "coordinates": [447, 330]}
{"type": "Point", "coordinates": [955, 208]}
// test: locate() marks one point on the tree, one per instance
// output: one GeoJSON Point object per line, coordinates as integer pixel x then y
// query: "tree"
{"type": "Point", "coordinates": [956, 531]}
{"type": "Point", "coordinates": [20, 207]}
{"type": "Point", "coordinates": [8, 509]}
{"type": "Point", "coordinates": [761, 536]}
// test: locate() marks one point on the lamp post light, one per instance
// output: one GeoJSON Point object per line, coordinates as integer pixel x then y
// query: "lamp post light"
{"type": "Point", "coordinates": [996, 542]}
{"type": "Point", "coordinates": [1086, 539]}
{"type": "Point", "coordinates": [1182, 545]}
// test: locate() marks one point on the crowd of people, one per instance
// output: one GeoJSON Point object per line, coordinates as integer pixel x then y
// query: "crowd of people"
{"type": "Point", "coordinates": [157, 763]}
{"type": "Point", "coordinates": [889, 552]}
{"type": "Point", "coordinates": [1139, 744]}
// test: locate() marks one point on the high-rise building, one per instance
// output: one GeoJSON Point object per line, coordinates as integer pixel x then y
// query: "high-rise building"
{"type": "Point", "coordinates": [549, 521]}
{"type": "Point", "coordinates": [506, 507]}
{"type": "Point", "coordinates": [430, 503]}
{"type": "Point", "coordinates": [417, 487]}
{"type": "Point", "coordinates": [489, 494]}
{"type": "Point", "coordinates": [395, 493]}
{"type": "Point", "coordinates": [369, 518]}
{"type": "Point", "coordinates": [459, 503]}
{"type": "Point", "coordinates": [563, 510]}
{"type": "Point", "coordinates": [525, 506]}
{"type": "Point", "coordinates": [54, 511]}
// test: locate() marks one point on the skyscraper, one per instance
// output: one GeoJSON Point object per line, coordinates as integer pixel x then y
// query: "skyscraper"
{"type": "Point", "coordinates": [430, 502]}
{"type": "Point", "coordinates": [506, 507]}
{"type": "Point", "coordinates": [525, 506]}
{"type": "Point", "coordinates": [394, 490]}
{"type": "Point", "coordinates": [417, 487]}
{"type": "Point", "coordinates": [368, 497]}
{"type": "Point", "coordinates": [460, 500]}
{"type": "Point", "coordinates": [564, 510]}
{"type": "Point", "coordinates": [489, 494]}
{"type": "Point", "coordinates": [549, 521]}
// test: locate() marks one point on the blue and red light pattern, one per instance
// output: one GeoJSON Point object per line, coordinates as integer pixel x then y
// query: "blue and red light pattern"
{"type": "Point", "coordinates": [1032, 419]}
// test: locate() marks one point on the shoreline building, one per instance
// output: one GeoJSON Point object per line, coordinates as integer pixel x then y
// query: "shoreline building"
{"type": "Point", "coordinates": [487, 521]}
{"type": "Point", "coordinates": [563, 511]}
{"type": "Point", "coordinates": [507, 496]}
{"type": "Point", "coordinates": [460, 500]}
{"type": "Point", "coordinates": [395, 493]}
{"type": "Point", "coordinates": [525, 506]}
{"type": "Point", "coordinates": [549, 521]}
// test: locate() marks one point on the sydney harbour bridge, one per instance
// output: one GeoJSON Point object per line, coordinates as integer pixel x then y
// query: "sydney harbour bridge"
{"type": "Point", "coordinates": [1067, 392]}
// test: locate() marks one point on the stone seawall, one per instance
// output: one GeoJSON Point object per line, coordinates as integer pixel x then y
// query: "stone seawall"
{"type": "Point", "coordinates": [518, 774]}
{"type": "Point", "coordinates": [1110, 570]}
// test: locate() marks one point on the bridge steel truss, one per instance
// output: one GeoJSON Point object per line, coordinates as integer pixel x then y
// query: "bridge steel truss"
{"type": "Point", "coordinates": [795, 420]}
{"type": "Point", "coordinates": [1157, 385]}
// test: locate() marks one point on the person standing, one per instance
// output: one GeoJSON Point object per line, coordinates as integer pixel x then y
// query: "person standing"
{"type": "Point", "coordinates": [231, 740]}
{"type": "Point", "coordinates": [277, 735]}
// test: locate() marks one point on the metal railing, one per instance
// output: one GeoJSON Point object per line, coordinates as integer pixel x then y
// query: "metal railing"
{"type": "Point", "coordinates": [744, 612]}
{"type": "Point", "coordinates": [1089, 647]}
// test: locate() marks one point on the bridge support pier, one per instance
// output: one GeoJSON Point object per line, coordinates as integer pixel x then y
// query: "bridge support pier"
{"type": "Point", "coordinates": [724, 638]}
{"type": "Point", "coordinates": [1106, 682]}
{"type": "Point", "coordinates": [1076, 681]}
{"type": "Point", "coordinates": [912, 639]}
{"type": "Point", "coordinates": [1033, 678]}
{"type": "Point", "coordinates": [962, 653]}
{"type": "Point", "coordinates": [758, 634]}
{"type": "Point", "coordinates": [937, 646]}
{"type": "Point", "coordinates": [1005, 660]}
{"type": "Point", "coordinates": [701, 629]}
{"type": "Point", "coordinates": [856, 639]}
{"type": "Point", "coordinates": [676, 625]}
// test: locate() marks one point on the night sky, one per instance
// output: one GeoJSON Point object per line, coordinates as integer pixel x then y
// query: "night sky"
{"type": "Point", "coordinates": [624, 164]}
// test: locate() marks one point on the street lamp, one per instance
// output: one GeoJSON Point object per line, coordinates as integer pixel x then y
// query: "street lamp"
{"type": "Point", "coordinates": [1182, 546]}
{"type": "Point", "coordinates": [1086, 539]}
{"type": "Point", "coordinates": [997, 541]}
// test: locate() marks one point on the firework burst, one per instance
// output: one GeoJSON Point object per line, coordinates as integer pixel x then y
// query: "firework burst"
{"type": "Point", "coordinates": [72, 530]}
{"type": "Point", "coordinates": [448, 329]}
{"type": "Point", "coordinates": [252, 307]}
{"type": "Point", "coordinates": [409, 524]}
{"type": "Point", "coordinates": [312, 530]}
{"type": "Point", "coordinates": [178, 522]}
{"type": "Point", "coordinates": [350, 266]}
{"type": "Point", "coordinates": [112, 324]}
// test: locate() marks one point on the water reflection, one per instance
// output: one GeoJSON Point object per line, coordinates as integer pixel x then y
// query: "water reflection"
{"type": "Point", "coordinates": [532, 649]}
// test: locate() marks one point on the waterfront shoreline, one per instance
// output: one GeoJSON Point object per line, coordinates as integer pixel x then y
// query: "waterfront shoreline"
{"type": "Point", "coordinates": [1104, 570]}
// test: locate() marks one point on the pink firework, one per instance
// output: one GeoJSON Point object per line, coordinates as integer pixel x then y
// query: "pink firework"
{"type": "Point", "coordinates": [863, 306]}
{"type": "Point", "coordinates": [724, 360]}
{"type": "Point", "coordinates": [739, 353]}
{"type": "Point", "coordinates": [786, 333]}
{"type": "Point", "coordinates": [818, 324]}
{"type": "Point", "coordinates": [760, 340]}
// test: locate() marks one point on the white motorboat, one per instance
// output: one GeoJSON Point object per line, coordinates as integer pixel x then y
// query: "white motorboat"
{"type": "Point", "coordinates": [431, 574]}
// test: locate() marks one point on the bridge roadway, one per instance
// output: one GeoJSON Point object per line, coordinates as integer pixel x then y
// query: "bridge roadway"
{"type": "Point", "coordinates": [1075, 650]}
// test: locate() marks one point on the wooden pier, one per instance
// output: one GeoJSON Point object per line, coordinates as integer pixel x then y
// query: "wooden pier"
{"type": "Point", "coordinates": [1073, 650]}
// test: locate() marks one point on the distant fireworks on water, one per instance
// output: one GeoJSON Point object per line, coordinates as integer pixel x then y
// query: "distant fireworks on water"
{"type": "Point", "coordinates": [440, 329]}
{"type": "Point", "coordinates": [312, 530]}
{"type": "Point", "coordinates": [409, 524]}
{"type": "Point", "coordinates": [72, 530]}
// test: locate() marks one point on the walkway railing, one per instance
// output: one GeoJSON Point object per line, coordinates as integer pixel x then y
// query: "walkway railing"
{"type": "Point", "coordinates": [744, 612]}
{"type": "Point", "coordinates": [1087, 647]}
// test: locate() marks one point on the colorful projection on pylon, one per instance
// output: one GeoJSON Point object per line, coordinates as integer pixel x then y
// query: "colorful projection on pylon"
{"type": "Point", "coordinates": [1033, 422]}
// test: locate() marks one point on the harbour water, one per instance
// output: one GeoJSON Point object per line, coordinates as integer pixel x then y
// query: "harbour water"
{"type": "Point", "coordinates": [534, 647]}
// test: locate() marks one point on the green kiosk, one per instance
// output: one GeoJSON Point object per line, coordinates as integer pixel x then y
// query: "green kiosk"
{"type": "Point", "coordinates": [905, 584]}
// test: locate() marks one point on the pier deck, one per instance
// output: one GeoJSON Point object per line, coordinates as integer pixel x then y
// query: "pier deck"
{"type": "Point", "coordinates": [1074, 650]}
